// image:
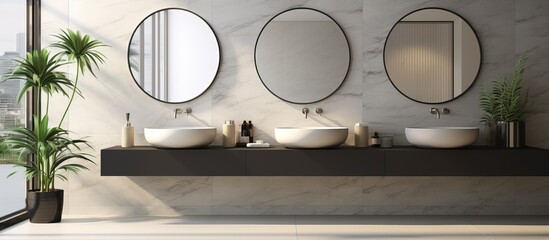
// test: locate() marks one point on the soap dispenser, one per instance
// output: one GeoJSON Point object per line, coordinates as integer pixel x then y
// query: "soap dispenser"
{"type": "Point", "coordinates": [375, 140]}
{"type": "Point", "coordinates": [229, 134]}
{"type": "Point", "coordinates": [127, 133]}
{"type": "Point", "coordinates": [361, 135]}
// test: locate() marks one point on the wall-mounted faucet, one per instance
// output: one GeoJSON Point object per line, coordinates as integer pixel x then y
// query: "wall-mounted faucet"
{"type": "Point", "coordinates": [179, 111]}
{"type": "Point", "coordinates": [305, 111]}
{"type": "Point", "coordinates": [319, 111]}
{"type": "Point", "coordinates": [437, 112]}
{"type": "Point", "coordinates": [176, 111]}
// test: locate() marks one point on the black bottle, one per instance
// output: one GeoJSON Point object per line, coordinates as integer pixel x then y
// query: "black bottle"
{"type": "Point", "coordinates": [375, 141]}
{"type": "Point", "coordinates": [244, 130]}
{"type": "Point", "coordinates": [251, 131]}
{"type": "Point", "coordinates": [244, 135]}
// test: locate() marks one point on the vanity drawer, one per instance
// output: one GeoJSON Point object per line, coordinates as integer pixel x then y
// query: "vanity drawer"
{"type": "Point", "coordinates": [315, 162]}
{"type": "Point", "coordinates": [150, 161]}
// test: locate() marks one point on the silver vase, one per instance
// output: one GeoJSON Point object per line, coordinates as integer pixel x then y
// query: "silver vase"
{"type": "Point", "coordinates": [511, 134]}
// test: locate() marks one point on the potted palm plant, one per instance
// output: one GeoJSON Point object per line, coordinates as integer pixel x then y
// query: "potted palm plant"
{"type": "Point", "coordinates": [51, 147]}
{"type": "Point", "coordinates": [505, 105]}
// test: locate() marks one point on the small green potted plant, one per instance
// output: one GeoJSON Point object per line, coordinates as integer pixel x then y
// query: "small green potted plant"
{"type": "Point", "coordinates": [51, 147]}
{"type": "Point", "coordinates": [505, 105]}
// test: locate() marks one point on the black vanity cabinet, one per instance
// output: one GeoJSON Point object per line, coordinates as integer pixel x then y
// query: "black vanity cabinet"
{"type": "Point", "coordinates": [476, 161]}
{"type": "Point", "coordinates": [150, 161]}
{"type": "Point", "coordinates": [342, 161]}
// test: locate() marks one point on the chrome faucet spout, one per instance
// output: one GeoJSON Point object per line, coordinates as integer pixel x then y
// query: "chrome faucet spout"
{"type": "Point", "coordinates": [176, 111]}
{"type": "Point", "coordinates": [435, 111]}
{"type": "Point", "coordinates": [305, 111]}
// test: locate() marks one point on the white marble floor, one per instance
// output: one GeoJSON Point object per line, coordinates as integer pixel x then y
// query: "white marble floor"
{"type": "Point", "coordinates": [286, 227]}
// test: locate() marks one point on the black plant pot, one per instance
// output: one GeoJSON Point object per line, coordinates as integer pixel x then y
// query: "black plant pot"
{"type": "Point", "coordinates": [45, 207]}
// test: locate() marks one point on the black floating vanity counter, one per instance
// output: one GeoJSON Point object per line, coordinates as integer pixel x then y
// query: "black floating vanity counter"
{"type": "Point", "coordinates": [473, 161]}
{"type": "Point", "coordinates": [150, 161]}
{"type": "Point", "coordinates": [343, 161]}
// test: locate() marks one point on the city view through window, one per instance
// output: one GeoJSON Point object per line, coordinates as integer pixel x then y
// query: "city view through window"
{"type": "Point", "coordinates": [12, 113]}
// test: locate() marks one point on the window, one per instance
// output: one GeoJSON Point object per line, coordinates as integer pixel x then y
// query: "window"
{"type": "Point", "coordinates": [13, 25]}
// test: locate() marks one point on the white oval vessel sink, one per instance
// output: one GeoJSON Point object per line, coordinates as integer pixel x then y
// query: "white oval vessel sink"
{"type": "Point", "coordinates": [183, 137]}
{"type": "Point", "coordinates": [442, 137]}
{"type": "Point", "coordinates": [311, 137]}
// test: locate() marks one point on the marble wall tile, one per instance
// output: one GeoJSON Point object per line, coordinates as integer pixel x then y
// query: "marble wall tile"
{"type": "Point", "coordinates": [532, 39]}
{"type": "Point", "coordinates": [437, 195]}
{"type": "Point", "coordinates": [392, 210]}
{"type": "Point", "coordinates": [178, 191]}
{"type": "Point", "coordinates": [531, 36]}
{"type": "Point", "coordinates": [537, 128]}
{"type": "Point", "coordinates": [528, 210]}
{"type": "Point", "coordinates": [532, 191]}
{"type": "Point", "coordinates": [305, 195]}
{"type": "Point", "coordinates": [438, 210]}
{"type": "Point", "coordinates": [286, 210]}
{"type": "Point", "coordinates": [172, 196]}
{"type": "Point", "coordinates": [468, 210]}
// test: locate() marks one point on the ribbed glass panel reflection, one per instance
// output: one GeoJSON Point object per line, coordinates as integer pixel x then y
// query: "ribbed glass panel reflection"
{"type": "Point", "coordinates": [420, 61]}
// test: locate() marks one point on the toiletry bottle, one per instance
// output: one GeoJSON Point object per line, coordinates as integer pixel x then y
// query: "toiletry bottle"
{"type": "Point", "coordinates": [229, 132]}
{"type": "Point", "coordinates": [375, 141]}
{"type": "Point", "coordinates": [244, 133]}
{"type": "Point", "coordinates": [127, 133]}
{"type": "Point", "coordinates": [251, 131]}
{"type": "Point", "coordinates": [361, 135]}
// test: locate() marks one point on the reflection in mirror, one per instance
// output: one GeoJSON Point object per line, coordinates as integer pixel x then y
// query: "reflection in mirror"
{"type": "Point", "coordinates": [432, 55]}
{"type": "Point", "coordinates": [302, 55]}
{"type": "Point", "coordinates": [174, 55]}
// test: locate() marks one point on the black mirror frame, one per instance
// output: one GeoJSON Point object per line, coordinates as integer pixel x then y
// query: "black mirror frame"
{"type": "Point", "coordinates": [346, 40]}
{"type": "Point", "coordinates": [216, 39]}
{"type": "Point", "coordinates": [479, 45]}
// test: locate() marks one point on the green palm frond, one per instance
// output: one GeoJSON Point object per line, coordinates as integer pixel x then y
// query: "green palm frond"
{"type": "Point", "coordinates": [80, 49]}
{"type": "Point", "coordinates": [52, 148]}
{"type": "Point", "coordinates": [40, 71]}
{"type": "Point", "coordinates": [487, 103]}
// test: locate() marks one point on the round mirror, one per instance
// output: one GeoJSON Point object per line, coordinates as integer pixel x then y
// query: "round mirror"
{"type": "Point", "coordinates": [432, 55]}
{"type": "Point", "coordinates": [174, 55]}
{"type": "Point", "coordinates": [302, 55]}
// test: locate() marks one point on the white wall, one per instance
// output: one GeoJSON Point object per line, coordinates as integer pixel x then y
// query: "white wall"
{"type": "Point", "coordinates": [505, 27]}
